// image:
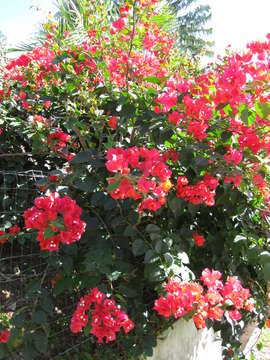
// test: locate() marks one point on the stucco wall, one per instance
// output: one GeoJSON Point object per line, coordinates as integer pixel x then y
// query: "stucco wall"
{"type": "Point", "coordinates": [185, 342]}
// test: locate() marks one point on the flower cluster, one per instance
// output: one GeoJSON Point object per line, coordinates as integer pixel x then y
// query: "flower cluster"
{"type": "Point", "coordinates": [208, 300]}
{"type": "Point", "coordinates": [4, 336]}
{"type": "Point", "coordinates": [203, 191]}
{"type": "Point", "coordinates": [235, 179]}
{"type": "Point", "coordinates": [233, 156]}
{"type": "Point", "coordinates": [150, 181]}
{"type": "Point", "coordinates": [262, 185]}
{"type": "Point", "coordinates": [12, 232]}
{"type": "Point", "coordinates": [58, 141]}
{"type": "Point", "coordinates": [57, 220]}
{"type": "Point", "coordinates": [198, 239]}
{"type": "Point", "coordinates": [107, 318]}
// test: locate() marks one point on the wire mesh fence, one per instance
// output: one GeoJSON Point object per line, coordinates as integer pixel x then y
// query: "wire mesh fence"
{"type": "Point", "coordinates": [23, 267]}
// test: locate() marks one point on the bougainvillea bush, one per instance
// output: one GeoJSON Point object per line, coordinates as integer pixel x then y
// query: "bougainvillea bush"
{"type": "Point", "coordinates": [155, 204]}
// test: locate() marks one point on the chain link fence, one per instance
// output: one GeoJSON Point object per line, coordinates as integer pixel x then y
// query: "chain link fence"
{"type": "Point", "coordinates": [23, 267]}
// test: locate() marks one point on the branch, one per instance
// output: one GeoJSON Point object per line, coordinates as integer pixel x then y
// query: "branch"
{"type": "Point", "coordinates": [81, 138]}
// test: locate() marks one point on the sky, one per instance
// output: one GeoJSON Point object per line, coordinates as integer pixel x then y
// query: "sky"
{"type": "Point", "coordinates": [234, 22]}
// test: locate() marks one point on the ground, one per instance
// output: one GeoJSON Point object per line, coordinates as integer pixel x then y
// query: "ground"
{"type": "Point", "coordinates": [264, 352]}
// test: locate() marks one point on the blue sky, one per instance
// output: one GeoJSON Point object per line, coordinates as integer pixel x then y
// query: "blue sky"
{"type": "Point", "coordinates": [20, 18]}
{"type": "Point", "coordinates": [234, 22]}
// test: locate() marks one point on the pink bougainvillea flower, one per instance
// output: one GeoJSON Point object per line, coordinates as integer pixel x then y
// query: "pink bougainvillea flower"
{"type": "Point", "coordinates": [119, 24]}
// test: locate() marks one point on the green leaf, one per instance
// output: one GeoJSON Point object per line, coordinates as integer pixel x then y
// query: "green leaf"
{"type": "Point", "coordinates": [113, 185]}
{"type": "Point", "coordinates": [62, 285]}
{"type": "Point", "coordinates": [87, 328]}
{"type": "Point", "coordinates": [260, 346]}
{"type": "Point", "coordinates": [149, 341]}
{"type": "Point", "coordinates": [139, 247]}
{"type": "Point", "coordinates": [46, 302]}
{"type": "Point", "coordinates": [18, 320]}
{"type": "Point", "coordinates": [155, 236]}
{"type": "Point", "coordinates": [153, 80]}
{"type": "Point", "coordinates": [244, 115]}
{"type": "Point", "coordinates": [98, 198]}
{"type": "Point", "coordinates": [39, 317]}
{"type": "Point", "coordinates": [176, 205]}
{"type": "Point", "coordinates": [81, 57]}
{"type": "Point", "coordinates": [153, 272]}
{"type": "Point", "coordinates": [127, 291]}
{"type": "Point", "coordinates": [161, 246]}
{"type": "Point", "coordinates": [152, 228]}
{"type": "Point", "coordinates": [41, 342]}
{"type": "Point", "coordinates": [239, 238]}
{"type": "Point", "coordinates": [29, 352]}
{"type": "Point", "coordinates": [87, 185]}
{"type": "Point", "coordinates": [149, 255]}
{"type": "Point", "coordinates": [83, 157]}
{"type": "Point", "coordinates": [48, 233]}
{"type": "Point", "coordinates": [67, 262]}
{"type": "Point", "coordinates": [264, 257]}
{"type": "Point", "coordinates": [168, 258]}
{"type": "Point", "coordinates": [70, 87]}
{"type": "Point", "coordinates": [263, 110]}
{"type": "Point", "coordinates": [32, 288]}
{"type": "Point", "coordinates": [266, 271]}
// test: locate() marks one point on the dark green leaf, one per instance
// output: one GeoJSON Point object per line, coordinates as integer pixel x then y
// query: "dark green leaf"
{"type": "Point", "coordinates": [41, 342]}
{"type": "Point", "coordinates": [39, 317]}
{"type": "Point", "coordinates": [152, 228]}
{"type": "Point", "coordinates": [83, 157]}
{"type": "Point", "coordinates": [139, 247]}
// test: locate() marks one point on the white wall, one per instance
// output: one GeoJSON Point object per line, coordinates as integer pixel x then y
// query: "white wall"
{"type": "Point", "coordinates": [185, 342]}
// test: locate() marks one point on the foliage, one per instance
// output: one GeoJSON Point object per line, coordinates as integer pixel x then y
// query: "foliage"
{"type": "Point", "coordinates": [168, 165]}
{"type": "Point", "coordinates": [190, 27]}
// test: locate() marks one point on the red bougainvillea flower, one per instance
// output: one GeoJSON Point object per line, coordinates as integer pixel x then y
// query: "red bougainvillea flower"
{"type": "Point", "coordinates": [118, 24]}
{"type": "Point", "coordinates": [53, 178]}
{"type": "Point", "coordinates": [107, 318]}
{"type": "Point", "coordinates": [203, 191]}
{"type": "Point", "coordinates": [15, 229]}
{"type": "Point", "coordinates": [54, 280]}
{"type": "Point", "coordinates": [57, 220]}
{"type": "Point", "coordinates": [267, 323]}
{"type": "Point", "coordinates": [112, 122]}
{"type": "Point", "coordinates": [151, 181]}
{"type": "Point", "coordinates": [57, 142]}
{"type": "Point", "coordinates": [3, 237]}
{"type": "Point", "coordinates": [174, 118]}
{"type": "Point", "coordinates": [4, 336]}
{"type": "Point", "coordinates": [22, 95]}
{"type": "Point", "coordinates": [185, 298]}
{"type": "Point", "coordinates": [235, 179]}
{"type": "Point", "coordinates": [198, 239]}
{"type": "Point", "coordinates": [47, 104]}
{"type": "Point", "coordinates": [234, 156]}
{"type": "Point", "coordinates": [1, 131]}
